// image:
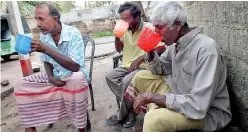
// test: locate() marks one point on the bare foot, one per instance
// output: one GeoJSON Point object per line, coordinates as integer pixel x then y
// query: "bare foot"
{"type": "Point", "coordinates": [32, 129]}
{"type": "Point", "coordinates": [81, 130]}
{"type": "Point", "coordinates": [137, 129]}
{"type": "Point", "coordinates": [50, 126]}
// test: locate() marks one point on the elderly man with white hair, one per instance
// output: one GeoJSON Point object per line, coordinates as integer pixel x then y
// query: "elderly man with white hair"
{"type": "Point", "coordinates": [185, 88]}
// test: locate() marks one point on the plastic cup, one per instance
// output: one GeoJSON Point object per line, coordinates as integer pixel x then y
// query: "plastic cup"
{"type": "Point", "coordinates": [120, 28]}
{"type": "Point", "coordinates": [148, 39]}
{"type": "Point", "coordinates": [23, 44]}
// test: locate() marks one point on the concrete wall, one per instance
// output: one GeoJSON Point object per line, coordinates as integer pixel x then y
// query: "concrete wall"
{"type": "Point", "coordinates": [93, 20]}
{"type": "Point", "coordinates": [90, 14]}
{"type": "Point", "coordinates": [227, 23]}
{"type": "Point", "coordinates": [90, 27]}
{"type": "Point", "coordinates": [87, 21]}
{"type": "Point", "coordinates": [86, 27]}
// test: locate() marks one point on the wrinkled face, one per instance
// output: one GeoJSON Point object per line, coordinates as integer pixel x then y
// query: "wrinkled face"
{"type": "Point", "coordinates": [127, 17]}
{"type": "Point", "coordinates": [169, 34]}
{"type": "Point", "coordinates": [45, 22]}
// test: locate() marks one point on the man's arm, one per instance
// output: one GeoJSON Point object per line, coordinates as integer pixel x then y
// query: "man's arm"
{"type": "Point", "coordinates": [51, 78]}
{"type": "Point", "coordinates": [146, 98]}
{"type": "Point", "coordinates": [76, 57]}
{"type": "Point", "coordinates": [159, 65]}
{"type": "Point", "coordinates": [205, 81]}
{"type": "Point", "coordinates": [118, 44]}
{"type": "Point", "coordinates": [160, 50]}
{"type": "Point", "coordinates": [64, 61]}
{"type": "Point", "coordinates": [135, 64]}
{"type": "Point", "coordinates": [49, 69]}
{"type": "Point", "coordinates": [196, 104]}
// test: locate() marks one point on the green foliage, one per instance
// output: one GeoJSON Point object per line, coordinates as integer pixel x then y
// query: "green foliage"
{"type": "Point", "coordinates": [27, 7]}
{"type": "Point", "coordinates": [103, 34]}
{"type": "Point", "coordinates": [99, 3]}
{"type": "Point", "coordinates": [33, 3]}
{"type": "Point", "coordinates": [65, 6]}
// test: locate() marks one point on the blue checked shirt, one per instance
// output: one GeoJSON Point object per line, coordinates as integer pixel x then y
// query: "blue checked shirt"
{"type": "Point", "coordinates": [70, 45]}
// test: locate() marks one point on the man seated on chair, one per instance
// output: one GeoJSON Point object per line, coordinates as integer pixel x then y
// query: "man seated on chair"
{"type": "Point", "coordinates": [194, 95]}
{"type": "Point", "coordinates": [133, 61]}
{"type": "Point", "coordinates": [61, 92]}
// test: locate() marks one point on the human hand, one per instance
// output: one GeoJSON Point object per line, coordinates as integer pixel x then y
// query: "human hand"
{"type": "Point", "coordinates": [135, 64]}
{"type": "Point", "coordinates": [57, 82]}
{"type": "Point", "coordinates": [113, 23]}
{"type": "Point", "coordinates": [38, 46]}
{"type": "Point", "coordinates": [141, 100]}
{"type": "Point", "coordinates": [150, 55]}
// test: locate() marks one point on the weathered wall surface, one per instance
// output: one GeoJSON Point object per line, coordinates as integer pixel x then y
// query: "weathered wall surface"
{"type": "Point", "coordinates": [227, 23]}
{"type": "Point", "coordinates": [90, 14]}
{"type": "Point", "coordinates": [91, 27]}
{"type": "Point", "coordinates": [87, 21]}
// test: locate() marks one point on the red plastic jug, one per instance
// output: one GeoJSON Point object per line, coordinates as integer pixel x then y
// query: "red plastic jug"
{"type": "Point", "coordinates": [120, 28]}
{"type": "Point", "coordinates": [148, 39]}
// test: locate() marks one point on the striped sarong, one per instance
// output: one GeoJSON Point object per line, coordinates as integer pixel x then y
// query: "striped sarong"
{"type": "Point", "coordinates": [40, 102]}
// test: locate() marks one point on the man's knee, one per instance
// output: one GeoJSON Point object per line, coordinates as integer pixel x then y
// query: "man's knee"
{"type": "Point", "coordinates": [146, 74]}
{"type": "Point", "coordinates": [127, 80]}
{"type": "Point", "coordinates": [155, 120]}
{"type": "Point", "coordinates": [113, 80]}
{"type": "Point", "coordinates": [139, 76]}
{"type": "Point", "coordinates": [111, 75]}
{"type": "Point", "coordinates": [151, 120]}
{"type": "Point", "coordinates": [18, 84]}
{"type": "Point", "coordinates": [78, 77]}
{"type": "Point", "coordinates": [115, 76]}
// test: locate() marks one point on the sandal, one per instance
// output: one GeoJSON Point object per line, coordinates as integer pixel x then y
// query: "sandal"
{"type": "Point", "coordinates": [137, 129]}
{"type": "Point", "coordinates": [112, 120]}
{"type": "Point", "coordinates": [129, 122]}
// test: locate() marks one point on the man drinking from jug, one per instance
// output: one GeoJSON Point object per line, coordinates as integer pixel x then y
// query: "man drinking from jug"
{"type": "Point", "coordinates": [62, 91]}
{"type": "Point", "coordinates": [186, 89]}
{"type": "Point", "coordinates": [133, 61]}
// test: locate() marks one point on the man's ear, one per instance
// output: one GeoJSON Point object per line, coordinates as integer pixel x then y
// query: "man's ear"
{"type": "Point", "coordinates": [56, 18]}
{"type": "Point", "coordinates": [178, 25]}
{"type": "Point", "coordinates": [138, 18]}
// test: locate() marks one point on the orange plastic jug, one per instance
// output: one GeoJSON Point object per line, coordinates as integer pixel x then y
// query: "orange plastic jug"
{"type": "Point", "coordinates": [120, 28]}
{"type": "Point", "coordinates": [148, 39]}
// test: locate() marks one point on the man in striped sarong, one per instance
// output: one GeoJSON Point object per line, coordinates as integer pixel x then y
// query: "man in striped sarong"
{"type": "Point", "coordinates": [62, 91]}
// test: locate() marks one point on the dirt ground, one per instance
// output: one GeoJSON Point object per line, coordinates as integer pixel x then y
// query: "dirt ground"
{"type": "Point", "coordinates": [104, 101]}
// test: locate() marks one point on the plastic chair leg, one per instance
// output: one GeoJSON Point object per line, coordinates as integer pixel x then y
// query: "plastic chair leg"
{"type": "Point", "coordinates": [92, 97]}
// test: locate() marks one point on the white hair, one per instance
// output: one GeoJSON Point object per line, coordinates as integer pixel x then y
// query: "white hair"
{"type": "Point", "coordinates": [168, 13]}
